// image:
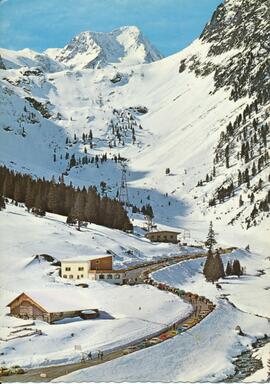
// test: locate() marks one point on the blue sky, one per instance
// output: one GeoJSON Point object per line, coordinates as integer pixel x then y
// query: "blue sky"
{"type": "Point", "coordinates": [39, 24]}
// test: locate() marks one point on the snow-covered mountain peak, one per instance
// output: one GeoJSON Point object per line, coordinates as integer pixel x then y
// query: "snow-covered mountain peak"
{"type": "Point", "coordinates": [97, 49]}
{"type": "Point", "coordinates": [29, 58]}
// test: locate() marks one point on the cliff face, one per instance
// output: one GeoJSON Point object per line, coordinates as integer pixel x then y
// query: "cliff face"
{"type": "Point", "coordinates": [238, 37]}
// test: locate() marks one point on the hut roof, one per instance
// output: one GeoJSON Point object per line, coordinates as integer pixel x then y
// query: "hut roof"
{"type": "Point", "coordinates": [58, 300]}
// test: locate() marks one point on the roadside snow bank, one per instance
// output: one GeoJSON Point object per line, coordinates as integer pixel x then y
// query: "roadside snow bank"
{"type": "Point", "coordinates": [202, 354]}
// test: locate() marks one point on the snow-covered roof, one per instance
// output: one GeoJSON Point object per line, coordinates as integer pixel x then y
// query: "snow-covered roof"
{"type": "Point", "coordinates": [84, 258]}
{"type": "Point", "coordinates": [89, 312]}
{"type": "Point", "coordinates": [163, 231]}
{"type": "Point", "coordinates": [59, 300]}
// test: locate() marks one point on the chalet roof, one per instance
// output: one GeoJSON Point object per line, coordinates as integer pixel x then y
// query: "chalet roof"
{"type": "Point", "coordinates": [58, 300]}
{"type": "Point", "coordinates": [84, 258]}
{"type": "Point", "coordinates": [165, 231]}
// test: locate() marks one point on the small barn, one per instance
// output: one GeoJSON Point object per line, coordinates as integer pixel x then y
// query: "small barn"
{"type": "Point", "coordinates": [51, 305]}
{"type": "Point", "coordinates": [163, 236]}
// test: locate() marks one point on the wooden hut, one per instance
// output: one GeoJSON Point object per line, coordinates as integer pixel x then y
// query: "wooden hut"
{"type": "Point", "coordinates": [163, 236]}
{"type": "Point", "coordinates": [51, 305]}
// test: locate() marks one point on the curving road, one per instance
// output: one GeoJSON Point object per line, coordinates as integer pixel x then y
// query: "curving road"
{"type": "Point", "coordinates": [201, 308]}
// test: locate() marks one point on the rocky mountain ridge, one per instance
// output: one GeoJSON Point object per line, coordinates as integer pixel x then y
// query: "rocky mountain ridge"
{"type": "Point", "coordinates": [98, 49]}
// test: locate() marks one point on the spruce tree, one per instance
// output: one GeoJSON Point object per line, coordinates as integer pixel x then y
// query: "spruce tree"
{"type": "Point", "coordinates": [211, 238]}
{"type": "Point", "coordinates": [78, 210]}
{"type": "Point", "coordinates": [30, 194]}
{"type": "Point", "coordinates": [2, 203]}
{"type": "Point", "coordinates": [240, 201]}
{"type": "Point", "coordinates": [52, 201]}
{"type": "Point", "coordinates": [219, 265]}
{"type": "Point", "coordinates": [229, 269]}
{"type": "Point", "coordinates": [236, 268]}
{"type": "Point", "coordinates": [213, 267]}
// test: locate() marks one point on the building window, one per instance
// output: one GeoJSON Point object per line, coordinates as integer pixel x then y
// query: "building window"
{"type": "Point", "coordinates": [71, 276]}
{"type": "Point", "coordinates": [67, 269]}
{"type": "Point", "coordinates": [165, 237]}
{"type": "Point", "coordinates": [81, 275]}
{"type": "Point", "coordinates": [97, 261]}
{"type": "Point", "coordinates": [80, 268]}
{"type": "Point", "coordinates": [109, 276]}
{"type": "Point", "coordinates": [101, 277]}
{"type": "Point", "coordinates": [171, 236]}
{"type": "Point", "coordinates": [117, 276]}
{"type": "Point", "coordinates": [64, 276]}
{"type": "Point", "coordinates": [78, 276]}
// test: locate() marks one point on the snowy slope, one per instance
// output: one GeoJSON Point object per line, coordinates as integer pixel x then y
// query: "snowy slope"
{"type": "Point", "coordinates": [127, 313]}
{"type": "Point", "coordinates": [158, 114]}
{"type": "Point", "coordinates": [98, 49]}
{"type": "Point", "coordinates": [195, 356]}
{"type": "Point", "coordinates": [186, 102]}
{"type": "Point", "coordinates": [204, 353]}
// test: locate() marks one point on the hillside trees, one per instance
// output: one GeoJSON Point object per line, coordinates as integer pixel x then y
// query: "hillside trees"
{"type": "Point", "coordinates": [243, 149]}
{"type": "Point", "coordinates": [78, 204]}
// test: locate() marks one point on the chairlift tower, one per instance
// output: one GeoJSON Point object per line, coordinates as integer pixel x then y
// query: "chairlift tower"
{"type": "Point", "coordinates": [123, 190]}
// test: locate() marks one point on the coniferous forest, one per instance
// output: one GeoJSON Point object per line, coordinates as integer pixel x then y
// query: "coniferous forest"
{"type": "Point", "coordinates": [56, 197]}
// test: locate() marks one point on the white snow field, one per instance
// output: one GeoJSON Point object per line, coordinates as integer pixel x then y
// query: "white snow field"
{"type": "Point", "coordinates": [179, 118]}
{"type": "Point", "coordinates": [127, 313]}
{"type": "Point", "coordinates": [242, 292]}
{"type": "Point", "coordinates": [204, 353]}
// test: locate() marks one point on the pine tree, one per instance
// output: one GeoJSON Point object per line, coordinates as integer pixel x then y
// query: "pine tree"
{"type": "Point", "coordinates": [18, 191]}
{"type": "Point", "coordinates": [2, 203]}
{"type": "Point", "coordinates": [53, 202]}
{"type": "Point", "coordinates": [72, 162]}
{"type": "Point", "coordinates": [219, 265]}
{"type": "Point", "coordinates": [92, 206]}
{"type": "Point", "coordinates": [229, 269]}
{"type": "Point", "coordinates": [90, 136]}
{"type": "Point", "coordinates": [236, 268]}
{"type": "Point", "coordinates": [211, 238]}
{"type": "Point", "coordinates": [78, 210]}
{"type": "Point", "coordinates": [227, 156]}
{"type": "Point", "coordinates": [213, 267]}
{"type": "Point", "coordinates": [8, 185]}
{"type": "Point", "coordinates": [30, 194]}
{"type": "Point", "coordinates": [240, 201]}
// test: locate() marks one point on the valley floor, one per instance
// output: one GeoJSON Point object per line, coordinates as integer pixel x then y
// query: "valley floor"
{"type": "Point", "coordinates": [24, 236]}
{"type": "Point", "coordinates": [204, 353]}
{"type": "Point", "coordinates": [127, 313]}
